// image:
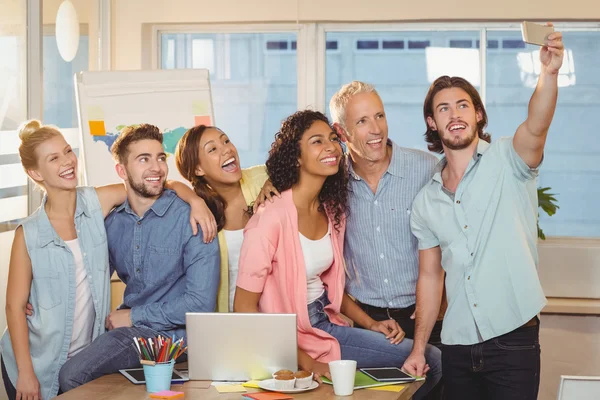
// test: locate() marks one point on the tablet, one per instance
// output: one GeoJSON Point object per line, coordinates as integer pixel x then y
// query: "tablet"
{"type": "Point", "coordinates": [388, 374]}
{"type": "Point", "coordinates": [136, 376]}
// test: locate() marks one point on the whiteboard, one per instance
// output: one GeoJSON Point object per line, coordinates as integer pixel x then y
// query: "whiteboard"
{"type": "Point", "coordinates": [107, 101]}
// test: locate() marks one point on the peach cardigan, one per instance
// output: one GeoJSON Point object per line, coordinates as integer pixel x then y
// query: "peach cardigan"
{"type": "Point", "coordinates": [272, 263]}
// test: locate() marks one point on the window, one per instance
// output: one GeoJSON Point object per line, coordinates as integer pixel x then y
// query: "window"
{"type": "Point", "coordinates": [401, 77]}
{"type": "Point", "coordinates": [60, 108]}
{"type": "Point", "coordinates": [571, 154]}
{"type": "Point", "coordinates": [402, 60]}
{"type": "Point", "coordinates": [253, 82]}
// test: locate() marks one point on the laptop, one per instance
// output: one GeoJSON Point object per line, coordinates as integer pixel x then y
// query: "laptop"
{"type": "Point", "coordinates": [240, 347]}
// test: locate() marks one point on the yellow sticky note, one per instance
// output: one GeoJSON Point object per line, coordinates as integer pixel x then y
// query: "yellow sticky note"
{"type": "Point", "coordinates": [97, 128]}
{"type": "Point", "coordinates": [95, 113]}
{"type": "Point", "coordinates": [230, 388]}
{"type": "Point", "coordinates": [200, 107]}
{"type": "Point", "coordinates": [251, 384]}
{"type": "Point", "coordinates": [389, 388]}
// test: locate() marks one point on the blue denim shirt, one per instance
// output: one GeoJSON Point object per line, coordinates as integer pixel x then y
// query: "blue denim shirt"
{"type": "Point", "coordinates": [52, 292]}
{"type": "Point", "coordinates": [168, 271]}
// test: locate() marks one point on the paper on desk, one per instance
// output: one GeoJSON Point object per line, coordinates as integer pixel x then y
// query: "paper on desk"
{"type": "Point", "coordinates": [230, 388]}
{"type": "Point", "coordinates": [389, 388]}
{"type": "Point", "coordinates": [251, 384]}
{"type": "Point", "coordinates": [197, 384]}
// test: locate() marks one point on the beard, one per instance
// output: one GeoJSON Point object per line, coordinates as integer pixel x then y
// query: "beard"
{"type": "Point", "coordinates": [457, 143]}
{"type": "Point", "coordinates": [141, 189]}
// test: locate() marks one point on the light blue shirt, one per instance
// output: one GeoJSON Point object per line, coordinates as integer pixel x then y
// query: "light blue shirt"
{"type": "Point", "coordinates": [380, 251]}
{"type": "Point", "coordinates": [487, 233]}
{"type": "Point", "coordinates": [168, 271]}
{"type": "Point", "coordinates": [52, 293]}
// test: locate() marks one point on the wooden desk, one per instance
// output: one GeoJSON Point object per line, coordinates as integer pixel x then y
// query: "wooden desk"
{"type": "Point", "coordinates": [117, 387]}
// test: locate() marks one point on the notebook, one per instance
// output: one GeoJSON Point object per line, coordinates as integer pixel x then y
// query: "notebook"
{"type": "Point", "coordinates": [362, 381]}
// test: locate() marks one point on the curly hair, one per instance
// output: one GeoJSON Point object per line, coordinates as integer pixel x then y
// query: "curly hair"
{"type": "Point", "coordinates": [445, 82]}
{"type": "Point", "coordinates": [284, 170]}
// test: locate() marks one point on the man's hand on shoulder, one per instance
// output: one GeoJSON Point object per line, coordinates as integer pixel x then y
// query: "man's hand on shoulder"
{"type": "Point", "coordinates": [118, 319]}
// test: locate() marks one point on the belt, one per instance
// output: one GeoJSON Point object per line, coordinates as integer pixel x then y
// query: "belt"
{"type": "Point", "coordinates": [532, 322]}
{"type": "Point", "coordinates": [402, 311]}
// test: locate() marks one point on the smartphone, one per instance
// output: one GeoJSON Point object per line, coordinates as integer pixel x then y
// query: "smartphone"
{"type": "Point", "coordinates": [535, 33]}
{"type": "Point", "coordinates": [388, 374]}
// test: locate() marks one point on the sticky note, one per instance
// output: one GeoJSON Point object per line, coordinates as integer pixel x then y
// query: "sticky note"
{"type": "Point", "coordinates": [166, 394]}
{"type": "Point", "coordinates": [97, 128]}
{"type": "Point", "coordinates": [202, 120]}
{"type": "Point", "coordinates": [389, 388]}
{"type": "Point", "coordinates": [230, 388]}
{"type": "Point", "coordinates": [200, 107]}
{"type": "Point", "coordinates": [95, 113]}
{"type": "Point", "coordinates": [251, 384]}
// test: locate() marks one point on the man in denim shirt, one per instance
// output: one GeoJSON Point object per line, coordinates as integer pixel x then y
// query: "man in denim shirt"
{"type": "Point", "coordinates": [168, 271]}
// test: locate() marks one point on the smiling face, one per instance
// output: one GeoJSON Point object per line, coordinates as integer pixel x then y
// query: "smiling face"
{"type": "Point", "coordinates": [366, 129]}
{"type": "Point", "coordinates": [455, 118]}
{"type": "Point", "coordinates": [56, 164]}
{"type": "Point", "coordinates": [219, 160]}
{"type": "Point", "coordinates": [320, 150]}
{"type": "Point", "coordinates": [146, 170]}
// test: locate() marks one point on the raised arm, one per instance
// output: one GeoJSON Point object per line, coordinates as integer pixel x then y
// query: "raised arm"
{"type": "Point", "coordinates": [430, 286]}
{"type": "Point", "coordinates": [111, 196]}
{"type": "Point", "coordinates": [199, 213]}
{"type": "Point", "coordinates": [17, 294]}
{"type": "Point", "coordinates": [201, 265]}
{"type": "Point", "coordinates": [530, 138]}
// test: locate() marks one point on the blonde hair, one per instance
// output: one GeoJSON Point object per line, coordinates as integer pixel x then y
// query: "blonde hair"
{"type": "Point", "coordinates": [339, 101]}
{"type": "Point", "coordinates": [32, 133]}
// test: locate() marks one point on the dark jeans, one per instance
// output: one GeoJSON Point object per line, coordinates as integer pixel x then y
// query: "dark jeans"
{"type": "Point", "coordinates": [10, 389]}
{"type": "Point", "coordinates": [402, 317]}
{"type": "Point", "coordinates": [504, 368]}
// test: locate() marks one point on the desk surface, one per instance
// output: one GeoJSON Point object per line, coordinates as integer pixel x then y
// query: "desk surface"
{"type": "Point", "coordinates": [117, 387]}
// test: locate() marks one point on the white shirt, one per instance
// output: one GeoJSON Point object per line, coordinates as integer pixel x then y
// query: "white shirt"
{"type": "Point", "coordinates": [318, 257]}
{"type": "Point", "coordinates": [85, 314]}
{"type": "Point", "coordinates": [234, 241]}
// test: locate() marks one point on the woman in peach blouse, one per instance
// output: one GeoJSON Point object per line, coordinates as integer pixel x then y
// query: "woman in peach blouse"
{"type": "Point", "coordinates": [292, 256]}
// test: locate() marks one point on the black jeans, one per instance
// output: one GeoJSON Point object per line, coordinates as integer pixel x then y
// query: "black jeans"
{"type": "Point", "coordinates": [10, 389]}
{"type": "Point", "coordinates": [504, 368]}
{"type": "Point", "coordinates": [402, 316]}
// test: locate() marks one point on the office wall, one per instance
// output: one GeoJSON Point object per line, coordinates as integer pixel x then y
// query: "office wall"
{"type": "Point", "coordinates": [129, 15]}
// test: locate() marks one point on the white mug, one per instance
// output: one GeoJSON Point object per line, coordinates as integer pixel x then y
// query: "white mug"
{"type": "Point", "coordinates": [342, 376]}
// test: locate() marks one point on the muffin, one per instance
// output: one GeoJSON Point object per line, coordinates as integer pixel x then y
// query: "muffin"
{"type": "Point", "coordinates": [283, 372]}
{"type": "Point", "coordinates": [303, 379]}
{"type": "Point", "coordinates": [284, 382]}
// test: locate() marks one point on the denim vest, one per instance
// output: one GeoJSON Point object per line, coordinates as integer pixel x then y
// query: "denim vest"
{"type": "Point", "coordinates": [53, 288]}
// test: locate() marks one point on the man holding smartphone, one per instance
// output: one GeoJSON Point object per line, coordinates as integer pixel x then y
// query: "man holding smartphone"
{"type": "Point", "coordinates": [476, 220]}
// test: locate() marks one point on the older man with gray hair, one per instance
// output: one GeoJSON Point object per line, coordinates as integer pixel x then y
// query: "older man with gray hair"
{"type": "Point", "coordinates": [381, 252]}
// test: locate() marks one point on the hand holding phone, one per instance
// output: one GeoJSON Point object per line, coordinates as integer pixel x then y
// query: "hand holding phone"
{"type": "Point", "coordinates": [535, 33]}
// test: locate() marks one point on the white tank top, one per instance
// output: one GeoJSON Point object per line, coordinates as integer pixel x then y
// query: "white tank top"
{"type": "Point", "coordinates": [85, 314]}
{"type": "Point", "coordinates": [234, 241]}
{"type": "Point", "coordinates": [318, 257]}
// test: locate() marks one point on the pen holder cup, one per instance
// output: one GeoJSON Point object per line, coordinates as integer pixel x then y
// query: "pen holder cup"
{"type": "Point", "coordinates": [158, 377]}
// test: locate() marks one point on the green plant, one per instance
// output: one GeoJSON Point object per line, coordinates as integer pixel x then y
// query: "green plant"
{"type": "Point", "coordinates": [548, 203]}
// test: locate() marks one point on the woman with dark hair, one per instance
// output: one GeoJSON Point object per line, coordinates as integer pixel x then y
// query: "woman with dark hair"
{"type": "Point", "coordinates": [292, 256]}
{"type": "Point", "coordinates": [210, 162]}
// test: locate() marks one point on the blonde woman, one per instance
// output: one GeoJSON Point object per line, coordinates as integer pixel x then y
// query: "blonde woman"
{"type": "Point", "coordinates": [59, 264]}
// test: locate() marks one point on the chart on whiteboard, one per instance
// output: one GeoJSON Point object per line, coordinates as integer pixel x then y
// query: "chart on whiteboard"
{"type": "Point", "coordinates": [111, 101]}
